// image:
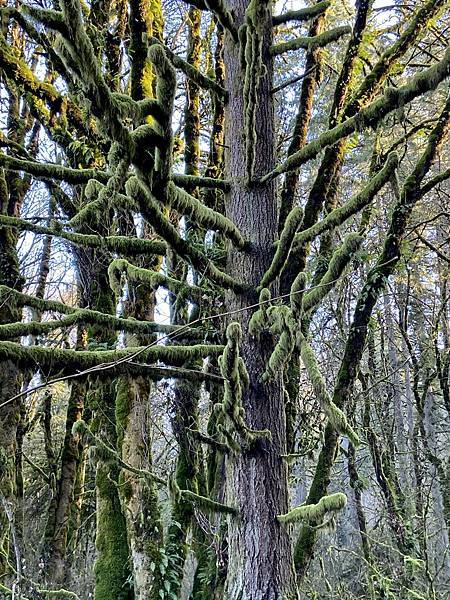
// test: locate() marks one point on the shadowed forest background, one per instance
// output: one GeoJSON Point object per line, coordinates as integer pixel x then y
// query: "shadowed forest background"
{"type": "Point", "coordinates": [224, 299]}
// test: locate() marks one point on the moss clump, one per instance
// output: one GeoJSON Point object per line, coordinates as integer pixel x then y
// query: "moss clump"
{"type": "Point", "coordinates": [313, 514]}
{"type": "Point", "coordinates": [230, 413]}
{"type": "Point", "coordinates": [282, 324]}
{"type": "Point", "coordinates": [258, 320]}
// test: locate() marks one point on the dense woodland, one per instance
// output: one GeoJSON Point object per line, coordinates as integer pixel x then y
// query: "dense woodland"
{"type": "Point", "coordinates": [224, 299]}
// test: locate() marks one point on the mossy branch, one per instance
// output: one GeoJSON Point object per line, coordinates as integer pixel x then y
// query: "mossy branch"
{"type": "Point", "coordinates": [370, 116]}
{"type": "Point", "coordinates": [51, 171]}
{"type": "Point", "coordinates": [311, 43]}
{"type": "Point", "coordinates": [313, 514]}
{"type": "Point", "coordinates": [336, 417]}
{"type": "Point", "coordinates": [72, 361]}
{"type": "Point", "coordinates": [82, 429]}
{"type": "Point", "coordinates": [338, 262]}
{"type": "Point", "coordinates": [206, 504]}
{"type": "Point", "coordinates": [193, 181]}
{"type": "Point", "coordinates": [84, 316]}
{"type": "Point", "coordinates": [128, 246]}
{"type": "Point", "coordinates": [120, 267]}
{"type": "Point", "coordinates": [293, 222]}
{"type": "Point", "coordinates": [353, 206]}
{"type": "Point", "coordinates": [192, 73]}
{"type": "Point", "coordinates": [188, 205]}
{"type": "Point", "coordinates": [304, 14]}
{"type": "Point", "coordinates": [149, 207]}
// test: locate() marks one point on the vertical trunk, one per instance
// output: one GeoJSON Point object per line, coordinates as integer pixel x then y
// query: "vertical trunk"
{"type": "Point", "coordinates": [260, 556]}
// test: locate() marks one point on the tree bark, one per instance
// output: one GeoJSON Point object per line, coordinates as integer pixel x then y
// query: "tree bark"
{"type": "Point", "coordinates": [260, 565]}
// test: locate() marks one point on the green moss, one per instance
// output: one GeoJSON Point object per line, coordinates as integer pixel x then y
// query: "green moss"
{"type": "Point", "coordinates": [193, 74]}
{"type": "Point", "coordinates": [339, 215]}
{"type": "Point", "coordinates": [282, 324]}
{"type": "Point", "coordinates": [258, 321]}
{"type": "Point", "coordinates": [338, 262]}
{"type": "Point", "coordinates": [336, 417]}
{"type": "Point", "coordinates": [293, 222]}
{"type": "Point", "coordinates": [154, 279]}
{"type": "Point", "coordinates": [313, 514]}
{"type": "Point", "coordinates": [206, 504]}
{"type": "Point", "coordinates": [304, 14]}
{"type": "Point", "coordinates": [72, 361]}
{"type": "Point", "coordinates": [370, 116]}
{"type": "Point", "coordinates": [310, 43]}
{"type": "Point", "coordinates": [188, 205]}
{"type": "Point", "coordinates": [230, 413]}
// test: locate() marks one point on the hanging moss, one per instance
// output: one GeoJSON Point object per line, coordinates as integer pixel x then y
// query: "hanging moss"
{"type": "Point", "coordinates": [256, 18]}
{"type": "Point", "coordinates": [310, 43]}
{"type": "Point", "coordinates": [336, 417]}
{"type": "Point", "coordinates": [313, 514]}
{"type": "Point", "coordinates": [293, 222]}
{"type": "Point", "coordinates": [230, 413]}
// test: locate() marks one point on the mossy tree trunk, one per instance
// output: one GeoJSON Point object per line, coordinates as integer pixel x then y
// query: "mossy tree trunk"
{"type": "Point", "coordinates": [259, 548]}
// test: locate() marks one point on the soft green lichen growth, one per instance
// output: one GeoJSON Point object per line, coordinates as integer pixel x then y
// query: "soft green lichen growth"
{"type": "Point", "coordinates": [336, 417]}
{"type": "Point", "coordinates": [314, 514]}
{"type": "Point", "coordinates": [258, 320]}
{"type": "Point", "coordinates": [293, 222]}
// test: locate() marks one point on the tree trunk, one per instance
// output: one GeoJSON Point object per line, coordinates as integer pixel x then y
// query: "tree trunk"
{"type": "Point", "coordinates": [260, 563]}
